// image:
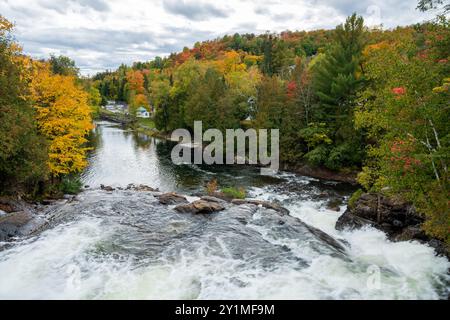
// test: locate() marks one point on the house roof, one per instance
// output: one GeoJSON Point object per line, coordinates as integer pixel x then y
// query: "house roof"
{"type": "Point", "coordinates": [141, 109]}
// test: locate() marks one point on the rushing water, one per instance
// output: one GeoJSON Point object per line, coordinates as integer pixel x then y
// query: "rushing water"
{"type": "Point", "coordinates": [123, 244]}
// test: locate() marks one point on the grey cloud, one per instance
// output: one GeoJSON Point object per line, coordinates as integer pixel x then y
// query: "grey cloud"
{"type": "Point", "coordinates": [346, 7]}
{"type": "Point", "coordinates": [283, 16]}
{"type": "Point", "coordinates": [98, 5]}
{"type": "Point", "coordinates": [194, 11]}
{"type": "Point", "coordinates": [262, 11]}
{"type": "Point", "coordinates": [106, 49]}
{"type": "Point", "coordinates": [83, 38]}
{"type": "Point", "coordinates": [64, 5]}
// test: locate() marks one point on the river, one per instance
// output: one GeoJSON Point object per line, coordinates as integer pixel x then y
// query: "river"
{"type": "Point", "coordinates": [125, 245]}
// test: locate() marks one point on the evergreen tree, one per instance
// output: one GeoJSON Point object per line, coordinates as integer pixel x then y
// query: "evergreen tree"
{"type": "Point", "coordinates": [338, 76]}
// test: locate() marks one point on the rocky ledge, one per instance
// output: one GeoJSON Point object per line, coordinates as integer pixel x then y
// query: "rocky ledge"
{"type": "Point", "coordinates": [321, 173]}
{"type": "Point", "coordinates": [397, 218]}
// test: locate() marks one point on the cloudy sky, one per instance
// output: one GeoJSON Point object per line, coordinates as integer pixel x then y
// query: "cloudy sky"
{"type": "Point", "coordinates": [102, 34]}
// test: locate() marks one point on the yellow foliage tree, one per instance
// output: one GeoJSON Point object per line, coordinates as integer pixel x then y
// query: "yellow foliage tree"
{"type": "Point", "coordinates": [64, 118]}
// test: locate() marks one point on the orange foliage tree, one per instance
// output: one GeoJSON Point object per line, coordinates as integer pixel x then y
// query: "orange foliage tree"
{"type": "Point", "coordinates": [63, 117]}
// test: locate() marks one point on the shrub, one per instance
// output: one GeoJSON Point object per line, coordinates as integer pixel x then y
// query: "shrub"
{"type": "Point", "coordinates": [211, 187]}
{"type": "Point", "coordinates": [70, 185]}
{"type": "Point", "coordinates": [355, 196]}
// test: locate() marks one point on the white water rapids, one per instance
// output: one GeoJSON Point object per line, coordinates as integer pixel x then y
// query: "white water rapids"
{"type": "Point", "coordinates": [106, 250]}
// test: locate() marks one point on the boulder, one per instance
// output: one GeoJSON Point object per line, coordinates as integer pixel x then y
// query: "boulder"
{"type": "Point", "coordinates": [143, 187]}
{"type": "Point", "coordinates": [265, 204]}
{"type": "Point", "coordinates": [200, 206]}
{"type": "Point", "coordinates": [391, 215]}
{"type": "Point", "coordinates": [11, 223]}
{"type": "Point", "coordinates": [213, 199]}
{"type": "Point", "coordinates": [334, 204]}
{"type": "Point", "coordinates": [106, 188]}
{"type": "Point", "coordinates": [171, 198]}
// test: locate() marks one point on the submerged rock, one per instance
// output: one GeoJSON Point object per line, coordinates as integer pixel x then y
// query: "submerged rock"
{"type": "Point", "coordinates": [265, 204]}
{"type": "Point", "coordinates": [107, 188]}
{"type": "Point", "coordinates": [171, 198]}
{"type": "Point", "coordinates": [200, 206]}
{"type": "Point", "coordinates": [334, 204]}
{"type": "Point", "coordinates": [141, 187]}
{"type": "Point", "coordinates": [213, 199]}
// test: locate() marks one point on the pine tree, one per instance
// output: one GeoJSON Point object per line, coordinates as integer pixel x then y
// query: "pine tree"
{"type": "Point", "coordinates": [338, 76]}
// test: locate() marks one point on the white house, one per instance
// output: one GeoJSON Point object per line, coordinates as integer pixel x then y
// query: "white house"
{"type": "Point", "coordinates": [114, 107]}
{"type": "Point", "coordinates": [141, 112]}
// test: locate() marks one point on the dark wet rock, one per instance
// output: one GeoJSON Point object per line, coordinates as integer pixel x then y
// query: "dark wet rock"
{"type": "Point", "coordinates": [321, 173]}
{"type": "Point", "coordinates": [213, 199]}
{"type": "Point", "coordinates": [334, 204]}
{"type": "Point", "coordinates": [265, 204]}
{"type": "Point", "coordinates": [171, 198]}
{"type": "Point", "coordinates": [221, 195]}
{"type": "Point", "coordinates": [200, 206]}
{"type": "Point", "coordinates": [47, 202]}
{"type": "Point", "coordinates": [87, 186]}
{"type": "Point", "coordinates": [6, 207]}
{"type": "Point", "coordinates": [11, 223]}
{"type": "Point", "coordinates": [140, 187]}
{"type": "Point", "coordinates": [143, 187]}
{"type": "Point", "coordinates": [397, 218]}
{"type": "Point", "coordinates": [389, 214]}
{"type": "Point", "coordinates": [106, 188]}
{"type": "Point", "coordinates": [411, 232]}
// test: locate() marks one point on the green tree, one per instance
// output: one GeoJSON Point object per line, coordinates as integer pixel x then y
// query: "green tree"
{"type": "Point", "coordinates": [22, 151]}
{"type": "Point", "coordinates": [337, 77]}
{"type": "Point", "coordinates": [63, 65]}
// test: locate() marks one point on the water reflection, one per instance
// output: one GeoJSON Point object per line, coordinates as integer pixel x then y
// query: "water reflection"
{"type": "Point", "coordinates": [123, 156]}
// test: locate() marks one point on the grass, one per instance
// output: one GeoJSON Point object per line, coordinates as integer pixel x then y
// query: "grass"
{"type": "Point", "coordinates": [147, 122]}
{"type": "Point", "coordinates": [235, 193]}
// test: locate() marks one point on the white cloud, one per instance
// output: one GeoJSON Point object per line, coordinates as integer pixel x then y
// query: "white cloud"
{"type": "Point", "coordinates": [101, 34]}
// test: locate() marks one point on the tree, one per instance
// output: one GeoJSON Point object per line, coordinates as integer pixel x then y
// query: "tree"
{"type": "Point", "coordinates": [204, 104]}
{"type": "Point", "coordinates": [22, 150]}
{"type": "Point", "coordinates": [63, 65]}
{"type": "Point", "coordinates": [404, 110]}
{"type": "Point", "coordinates": [425, 5]}
{"type": "Point", "coordinates": [337, 77]}
{"type": "Point", "coordinates": [267, 64]}
{"type": "Point", "coordinates": [63, 118]}
{"type": "Point", "coordinates": [95, 97]}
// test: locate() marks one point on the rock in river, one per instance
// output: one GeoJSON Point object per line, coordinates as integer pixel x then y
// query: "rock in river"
{"type": "Point", "coordinates": [200, 206]}
{"type": "Point", "coordinates": [171, 198]}
{"type": "Point", "coordinates": [265, 204]}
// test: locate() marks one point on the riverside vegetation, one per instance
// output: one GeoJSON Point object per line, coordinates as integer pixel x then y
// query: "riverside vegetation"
{"type": "Point", "coordinates": [353, 98]}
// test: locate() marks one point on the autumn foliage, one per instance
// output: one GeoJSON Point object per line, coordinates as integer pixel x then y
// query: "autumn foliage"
{"type": "Point", "coordinates": [63, 118]}
{"type": "Point", "coordinates": [45, 117]}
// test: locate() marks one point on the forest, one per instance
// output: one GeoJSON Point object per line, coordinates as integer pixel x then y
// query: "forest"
{"type": "Point", "coordinates": [354, 98]}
